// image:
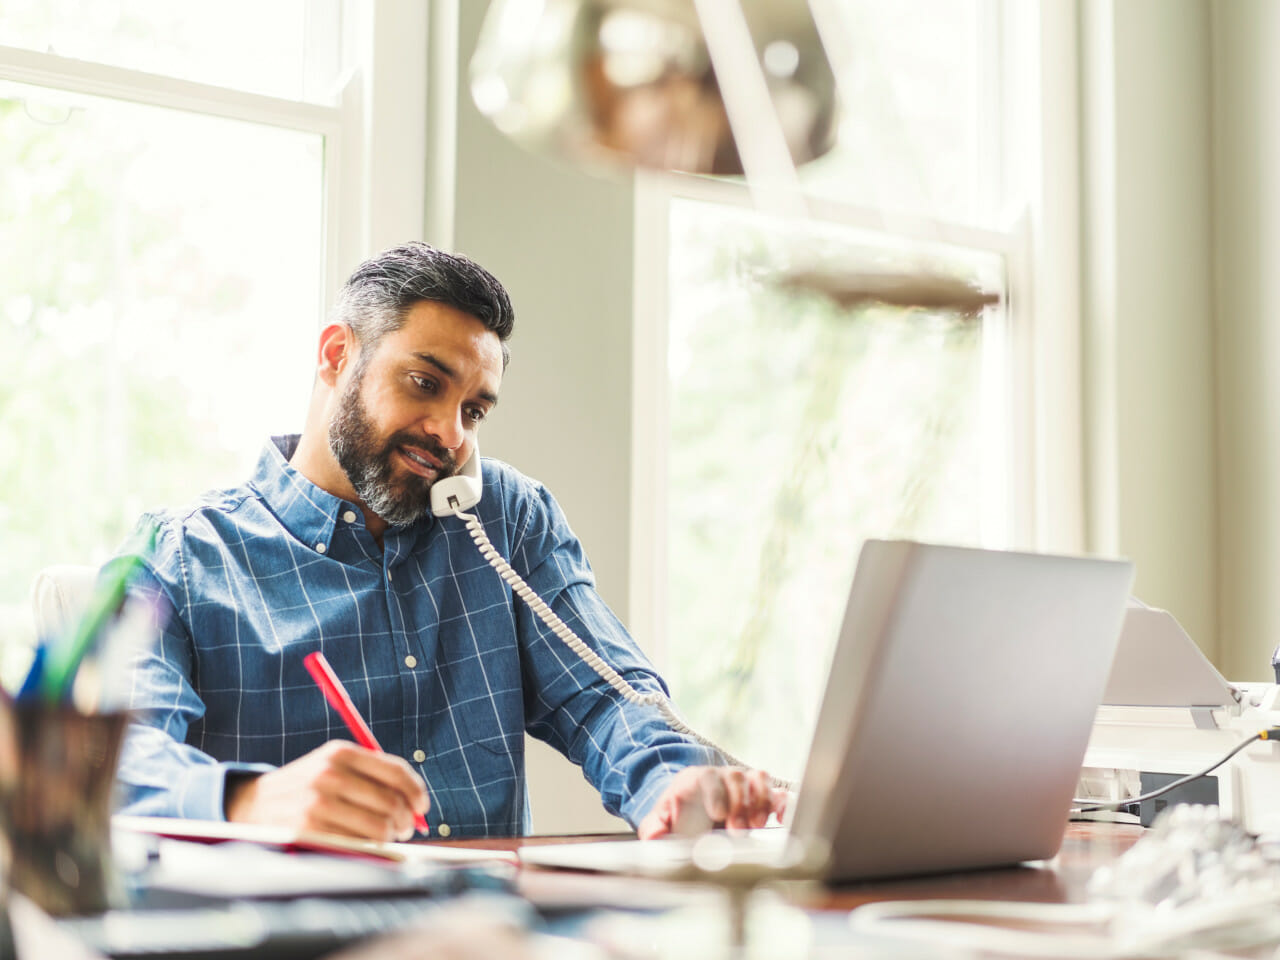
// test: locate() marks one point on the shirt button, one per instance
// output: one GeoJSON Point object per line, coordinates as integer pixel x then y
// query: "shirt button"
{"type": "Point", "coordinates": [321, 548]}
{"type": "Point", "coordinates": [349, 516]}
{"type": "Point", "coordinates": [411, 661]}
{"type": "Point", "coordinates": [389, 578]}
{"type": "Point", "coordinates": [444, 830]}
{"type": "Point", "coordinates": [419, 756]}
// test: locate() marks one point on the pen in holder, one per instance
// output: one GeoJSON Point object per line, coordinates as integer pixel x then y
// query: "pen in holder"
{"type": "Point", "coordinates": [57, 769]}
{"type": "Point", "coordinates": [60, 740]}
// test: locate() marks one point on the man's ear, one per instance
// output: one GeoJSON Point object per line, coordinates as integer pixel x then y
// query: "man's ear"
{"type": "Point", "coordinates": [338, 348]}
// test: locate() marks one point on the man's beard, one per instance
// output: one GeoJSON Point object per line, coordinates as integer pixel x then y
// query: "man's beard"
{"type": "Point", "coordinates": [367, 461]}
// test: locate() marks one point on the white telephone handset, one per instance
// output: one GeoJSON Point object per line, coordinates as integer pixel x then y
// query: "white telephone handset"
{"type": "Point", "coordinates": [452, 496]}
{"type": "Point", "coordinates": [461, 491]}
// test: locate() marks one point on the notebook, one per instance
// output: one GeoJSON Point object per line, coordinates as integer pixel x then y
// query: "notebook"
{"type": "Point", "coordinates": [287, 838]}
{"type": "Point", "coordinates": [958, 706]}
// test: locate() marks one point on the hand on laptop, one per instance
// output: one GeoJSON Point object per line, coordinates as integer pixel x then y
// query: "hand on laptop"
{"type": "Point", "coordinates": [700, 798]}
{"type": "Point", "coordinates": [338, 788]}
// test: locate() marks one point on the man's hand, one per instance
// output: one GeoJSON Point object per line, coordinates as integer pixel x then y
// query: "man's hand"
{"type": "Point", "coordinates": [339, 787]}
{"type": "Point", "coordinates": [699, 798]}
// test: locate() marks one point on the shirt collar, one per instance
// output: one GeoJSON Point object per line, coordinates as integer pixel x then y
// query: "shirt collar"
{"type": "Point", "coordinates": [305, 510]}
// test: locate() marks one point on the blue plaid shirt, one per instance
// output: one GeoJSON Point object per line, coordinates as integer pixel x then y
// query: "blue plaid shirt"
{"type": "Point", "coordinates": [445, 664]}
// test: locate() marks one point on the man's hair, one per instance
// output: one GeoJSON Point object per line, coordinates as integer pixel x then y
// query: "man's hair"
{"type": "Point", "coordinates": [377, 297]}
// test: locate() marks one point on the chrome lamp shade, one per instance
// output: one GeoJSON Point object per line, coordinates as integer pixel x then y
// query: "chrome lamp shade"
{"type": "Point", "coordinates": [604, 82]}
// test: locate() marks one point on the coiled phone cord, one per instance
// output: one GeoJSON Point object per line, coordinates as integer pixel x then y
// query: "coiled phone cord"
{"type": "Point", "coordinates": [586, 654]}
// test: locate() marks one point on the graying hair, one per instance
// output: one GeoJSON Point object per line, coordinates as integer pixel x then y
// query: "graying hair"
{"type": "Point", "coordinates": [379, 294]}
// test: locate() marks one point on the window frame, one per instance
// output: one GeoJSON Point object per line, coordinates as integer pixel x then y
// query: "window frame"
{"type": "Point", "coordinates": [371, 198]}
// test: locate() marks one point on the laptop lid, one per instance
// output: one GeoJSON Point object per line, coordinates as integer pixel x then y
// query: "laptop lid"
{"type": "Point", "coordinates": [958, 707]}
{"type": "Point", "coordinates": [1157, 664]}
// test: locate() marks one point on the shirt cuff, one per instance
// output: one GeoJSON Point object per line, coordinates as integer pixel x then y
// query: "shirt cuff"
{"type": "Point", "coordinates": [204, 789]}
{"type": "Point", "coordinates": [659, 777]}
{"type": "Point", "coordinates": [642, 801]}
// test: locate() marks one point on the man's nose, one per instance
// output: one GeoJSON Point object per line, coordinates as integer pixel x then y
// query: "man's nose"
{"type": "Point", "coordinates": [446, 426]}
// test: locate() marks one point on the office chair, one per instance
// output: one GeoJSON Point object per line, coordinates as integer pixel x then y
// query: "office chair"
{"type": "Point", "coordinates": [58, 594]}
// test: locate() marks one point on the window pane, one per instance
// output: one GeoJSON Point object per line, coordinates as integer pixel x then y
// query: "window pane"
{"type": "Point", "coordinates": [919, 120]}
{"type": "Point", "coordinates": [798, 429]}
{"type": "Point", "coordinates": [284, 48]}
{"type": "Point", "coordinates": [159, 295]}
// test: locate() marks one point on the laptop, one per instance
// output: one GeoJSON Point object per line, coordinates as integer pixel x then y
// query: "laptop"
{"type": "Point", "coordinates": [957, 710]}
{"type": "Point", "coordinates": [1157, 664]}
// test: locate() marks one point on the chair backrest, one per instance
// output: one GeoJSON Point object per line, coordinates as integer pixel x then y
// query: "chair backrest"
{"type": "Point", "coordinates": [58, 594]}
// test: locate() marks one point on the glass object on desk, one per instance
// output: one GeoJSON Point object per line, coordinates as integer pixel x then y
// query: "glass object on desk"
{"type": "Point", "coordinates": [1192, 855]}
{"type": "Point", "coordinates": [57, 768]}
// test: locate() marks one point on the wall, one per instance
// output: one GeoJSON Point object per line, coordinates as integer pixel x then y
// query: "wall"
{"type": "Point", "coordinates": [1148, 376]}
{"type": "Point", "coordinates": [1181, 122]}
{"type": "Point", "coordinates": [1246, 236]}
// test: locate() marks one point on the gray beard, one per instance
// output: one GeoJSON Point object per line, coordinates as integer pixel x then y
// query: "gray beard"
{"type": "Point", "coordinates": [367, 462]}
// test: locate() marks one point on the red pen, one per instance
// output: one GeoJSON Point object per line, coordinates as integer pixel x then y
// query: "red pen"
{"type": "Point", "coordinates": [340, 700]}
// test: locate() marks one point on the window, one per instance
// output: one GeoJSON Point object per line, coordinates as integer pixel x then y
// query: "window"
{"type": "Point", "coordinates": [289, 49]}
{"type": "Point", "coordinates": [168, 221]}
{"type": "Point", "coordinates": [777, 430]}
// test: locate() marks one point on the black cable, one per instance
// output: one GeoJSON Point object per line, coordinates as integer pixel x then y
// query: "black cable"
{"type": "Point", "coordinates": [1271, 733]}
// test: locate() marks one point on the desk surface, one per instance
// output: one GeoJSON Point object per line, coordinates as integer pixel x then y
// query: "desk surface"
{"type": "Point", "coordinates": [1085, 847]}
{"type": "Point", "coordinates": [1064, 879]}
{"type": "Point", "coordinates": [570, 895]}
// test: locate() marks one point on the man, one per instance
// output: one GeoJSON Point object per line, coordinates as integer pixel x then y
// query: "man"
{"type": "Point", "coordinates": [332, 546]}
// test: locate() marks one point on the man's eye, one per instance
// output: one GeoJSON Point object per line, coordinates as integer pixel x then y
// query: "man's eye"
{"type": "Point", "coordinates": [475, 414]}
{"type": "Point", "coordinates": [423, 384]}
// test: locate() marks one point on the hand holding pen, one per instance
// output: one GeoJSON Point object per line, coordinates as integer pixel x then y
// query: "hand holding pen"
{"type": "Point", "coordinates": [340, 787]}
{"type": "Point", "coordinates": [340, 700]}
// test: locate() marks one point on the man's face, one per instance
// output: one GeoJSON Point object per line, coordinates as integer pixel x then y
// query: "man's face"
{"type": "Point", "coordinates": [410, 409]}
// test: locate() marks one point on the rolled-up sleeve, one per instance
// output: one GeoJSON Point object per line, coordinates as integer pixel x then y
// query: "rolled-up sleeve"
{"type": "Point", "coordinates": [159, 773]}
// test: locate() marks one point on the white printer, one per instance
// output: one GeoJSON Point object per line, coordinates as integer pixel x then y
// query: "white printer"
{"type": "Point", "coordinates": [1167, 712]}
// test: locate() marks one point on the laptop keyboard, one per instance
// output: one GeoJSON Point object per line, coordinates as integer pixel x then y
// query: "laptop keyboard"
{"type": "Point", "coordinates": [669, 856]}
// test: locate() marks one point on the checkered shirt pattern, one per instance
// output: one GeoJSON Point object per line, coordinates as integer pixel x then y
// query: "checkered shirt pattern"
{"type": "Point", "coordinates": [445, 664]}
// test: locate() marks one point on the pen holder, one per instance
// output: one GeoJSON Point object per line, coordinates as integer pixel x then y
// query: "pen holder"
{"type": "Point", "coordinates": [57, 769]}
